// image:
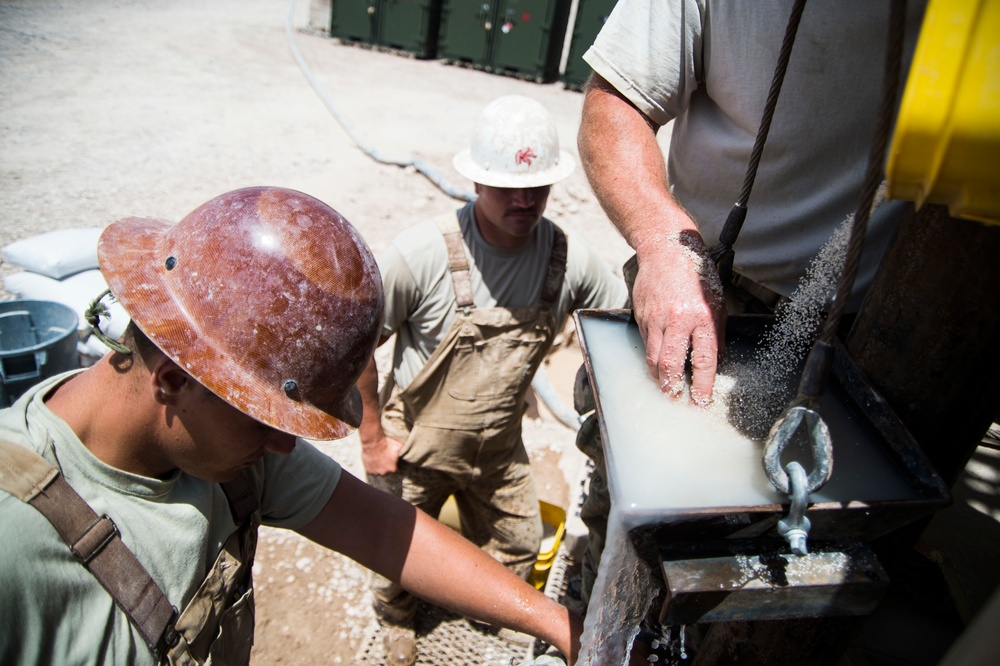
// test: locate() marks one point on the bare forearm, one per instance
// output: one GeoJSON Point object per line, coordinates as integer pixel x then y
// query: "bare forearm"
{"type": "Point", "coordinates": [380, 454]}
{"type": "Point", "coordinates": [371, 426]}
{"type": "Point", "coordinates": [676, 296]}
{"type": "Point", "coordinates": [394, 539]}
{"type": "Point", "coordinates": [476, 585]}
{"type": "Point", "coordinates": [626, 170]}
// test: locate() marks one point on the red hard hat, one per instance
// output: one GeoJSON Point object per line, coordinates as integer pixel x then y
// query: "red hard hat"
{"type": "Point", "coordinates": [267, 296]}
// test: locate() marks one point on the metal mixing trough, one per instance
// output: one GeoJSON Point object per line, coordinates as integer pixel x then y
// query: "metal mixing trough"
{"type": "Point", "coordinates": [698, 504]}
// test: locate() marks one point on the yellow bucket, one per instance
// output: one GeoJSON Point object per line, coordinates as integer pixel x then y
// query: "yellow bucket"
{"type": "Point", "coordinates": [946, 144]}
{"type": "Point", "coordinates": [553, 527]}
{"type": "Point", "coordinates": [449, 514]}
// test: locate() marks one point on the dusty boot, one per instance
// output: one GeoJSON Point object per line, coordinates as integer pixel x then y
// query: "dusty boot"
{"type": "Point", "coordinates": [400, 645]}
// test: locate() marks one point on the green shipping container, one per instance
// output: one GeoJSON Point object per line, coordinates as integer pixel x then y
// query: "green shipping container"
{"type": "Point", "coordinates": [528, 38]}
{"type": "Point", "coordinates": [590, 18]}
{"type": "Point", "coordinates": [466, 30]}
{"type": "Point", "coordinates": [403, 25]}
{"type": "Point", "coordinates": [522, 38]}
{"type": "Point", "coordinates": [409, 25]}
{"type": "Point", "coordinates": [354, 20]}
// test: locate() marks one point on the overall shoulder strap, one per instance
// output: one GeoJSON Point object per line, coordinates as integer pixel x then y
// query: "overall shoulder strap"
{"type": "Point", "coordinates": [242, 497]}
{"type": "Point", "coordinates": [458, 261]}
{"type": "Point", "coordinates": [94, 540]}
{"type": "Point", "coordinates": [23, 473]}
{"type": "Point", "coordinates": [557, 267]}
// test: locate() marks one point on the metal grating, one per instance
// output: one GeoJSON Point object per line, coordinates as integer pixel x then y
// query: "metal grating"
{"type": "Point", "coordinates": [446, 638]}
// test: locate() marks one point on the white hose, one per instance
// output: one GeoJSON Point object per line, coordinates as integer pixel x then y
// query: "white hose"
{"type": "Point", "coordinates": [547, 394]}
{"type": "Point", "coordinates": [429, 172]}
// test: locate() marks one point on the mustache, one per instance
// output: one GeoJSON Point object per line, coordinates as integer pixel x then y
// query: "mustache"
{"type": "Point", "coordinates": [514, 210]}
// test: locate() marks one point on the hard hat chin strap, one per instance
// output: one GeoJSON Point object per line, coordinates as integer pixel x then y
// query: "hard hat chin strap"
{"type": "Point", "coordinates": [93, 315]}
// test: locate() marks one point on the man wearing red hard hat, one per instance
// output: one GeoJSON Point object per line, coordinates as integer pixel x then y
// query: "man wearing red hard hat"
{"type": "Point", "coordinates": [135, 487]}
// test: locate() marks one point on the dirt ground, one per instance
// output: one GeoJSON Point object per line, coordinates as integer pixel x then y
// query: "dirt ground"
{"type": "Point", "coordinates": [114, 108]}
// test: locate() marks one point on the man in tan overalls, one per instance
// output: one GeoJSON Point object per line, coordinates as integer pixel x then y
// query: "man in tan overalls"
{"type": "Point", "coordinates": [131, 492]}
{"type": "Point", "coordinates": [475, 299]}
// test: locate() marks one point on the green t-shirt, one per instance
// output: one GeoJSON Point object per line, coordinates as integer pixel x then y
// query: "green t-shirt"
{"type": "Point", "coordinates": [52, 610]}
{"type": "Point", "coordinates": [420, 300]}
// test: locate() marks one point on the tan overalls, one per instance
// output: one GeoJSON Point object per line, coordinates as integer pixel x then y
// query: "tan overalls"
{"type": "Point", "coordinates": [460, 421]}
{"type": "Point", "coordinates": [217, 625]}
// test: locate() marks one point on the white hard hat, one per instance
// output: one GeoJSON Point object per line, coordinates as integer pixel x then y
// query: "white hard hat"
{"type": "Point", "coordinates": [515, 144]}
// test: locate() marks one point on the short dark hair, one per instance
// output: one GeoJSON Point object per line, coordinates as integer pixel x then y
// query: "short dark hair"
{"type": "Point", "coordinates": [139, 342]}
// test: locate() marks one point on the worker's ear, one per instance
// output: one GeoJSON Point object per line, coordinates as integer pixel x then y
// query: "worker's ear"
{"type": "Point", "coordinates": [167, 380]}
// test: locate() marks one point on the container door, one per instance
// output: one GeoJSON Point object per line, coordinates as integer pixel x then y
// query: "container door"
{"type": "Point", "coordinates": [410, 25]}
{"type": "Point", "coordinates": [528, 38]}
{"type": "Point", "coordinates": [466, 30]}
{"type": "Point", "coordinates": [590, 18]}
{"type": "Point", "coordinates": [354, 20]}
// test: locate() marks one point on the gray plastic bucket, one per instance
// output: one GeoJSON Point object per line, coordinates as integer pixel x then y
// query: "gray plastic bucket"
{"type": "Point", "coordinates": [37, 341]}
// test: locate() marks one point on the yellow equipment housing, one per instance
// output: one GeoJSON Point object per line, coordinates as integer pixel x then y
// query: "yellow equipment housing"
{"type": "Point", "coordinates": [946, 144]}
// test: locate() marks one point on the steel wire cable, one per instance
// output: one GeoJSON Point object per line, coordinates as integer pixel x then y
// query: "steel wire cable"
{"type": "Point", "coordinates": [772, 100]}
{"type": "Point", "coordinates": [874, 172]}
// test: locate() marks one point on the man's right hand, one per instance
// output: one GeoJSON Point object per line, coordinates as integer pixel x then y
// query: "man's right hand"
{"type": "Point", "coordinates": [381, 456]}
{"type": "Point", "coordinates": [677, 303]}
{"type": "Point", "coordinates": [677, 298]}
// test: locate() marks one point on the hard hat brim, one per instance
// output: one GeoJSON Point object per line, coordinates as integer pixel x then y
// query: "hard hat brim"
{"type": "Point", "coordinates": [132, 260]}
{"type": "Point", "coordinates": [465, 165]}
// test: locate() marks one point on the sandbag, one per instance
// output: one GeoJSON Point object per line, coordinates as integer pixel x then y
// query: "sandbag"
{"type": "Point", "coordinates": [55, 254]}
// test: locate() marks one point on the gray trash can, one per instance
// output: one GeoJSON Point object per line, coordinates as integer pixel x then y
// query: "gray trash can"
{"type": "Point", "coordinates": [37, 341]}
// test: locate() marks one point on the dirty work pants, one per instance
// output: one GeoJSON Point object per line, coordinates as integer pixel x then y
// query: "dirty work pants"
{"type": "Point", "coordinates": [497, 506]}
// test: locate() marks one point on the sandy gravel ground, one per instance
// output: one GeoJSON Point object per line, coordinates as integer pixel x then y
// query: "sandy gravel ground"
{"type": "Point", "coordinates": [114, 108]}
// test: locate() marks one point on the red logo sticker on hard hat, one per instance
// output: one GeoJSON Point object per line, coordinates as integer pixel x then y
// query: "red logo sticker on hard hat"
{"type": "Point", "coordinates": [524, 156]}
